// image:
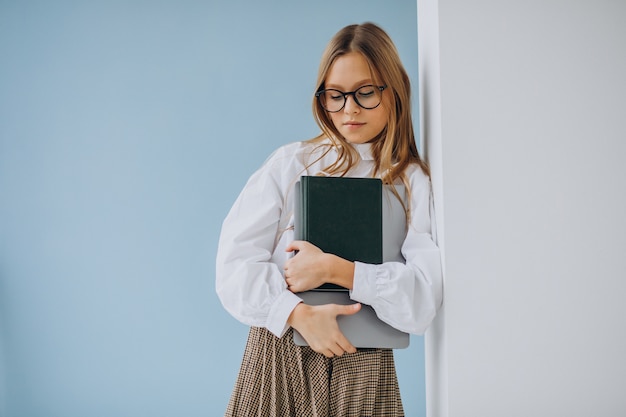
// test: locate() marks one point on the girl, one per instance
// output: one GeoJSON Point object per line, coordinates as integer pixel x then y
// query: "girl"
{"type": "Point", "coordinates": [362, 105]}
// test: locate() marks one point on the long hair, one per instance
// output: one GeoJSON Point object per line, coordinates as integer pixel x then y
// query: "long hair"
{"type": "Point", "coordinates": [394, 149]}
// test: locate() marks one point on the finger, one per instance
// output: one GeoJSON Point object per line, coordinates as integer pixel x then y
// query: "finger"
{"type": "Point", "coordinates": [347, 310]}
{"type": "Point", "coordinates": [337, 350]}
{"type": "Point", "coordinates": [346, 346]}
{"type": "Point", "coordinates": [343, 344]}
{"type": "Point", "coordinates": [296, 245]}
{"type": "Point", "coordinates": [293, 286]}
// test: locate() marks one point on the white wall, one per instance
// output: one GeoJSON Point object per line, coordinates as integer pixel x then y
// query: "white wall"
{"type": "Point", "coordinates": [527, 137]}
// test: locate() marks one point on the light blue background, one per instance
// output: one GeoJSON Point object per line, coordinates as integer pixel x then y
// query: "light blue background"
{"type": "Point", "coordinates": [126, 131]}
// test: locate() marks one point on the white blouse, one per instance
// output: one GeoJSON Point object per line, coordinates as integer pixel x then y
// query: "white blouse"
{"type": "Point", "coordinates": [256, 231]}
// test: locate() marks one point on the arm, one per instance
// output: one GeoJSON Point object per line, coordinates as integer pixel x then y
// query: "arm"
{"type": "Point", "coordinates": [249, 281]}
{"type": "Point", "coordinates": [406, 295]}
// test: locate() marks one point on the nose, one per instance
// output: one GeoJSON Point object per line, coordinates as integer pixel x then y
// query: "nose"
{"type": "Point", "coordinates": [351, 106]}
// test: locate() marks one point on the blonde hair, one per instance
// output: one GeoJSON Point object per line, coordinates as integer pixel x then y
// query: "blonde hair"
{"type": "Point", "coordinates": [394, 149]}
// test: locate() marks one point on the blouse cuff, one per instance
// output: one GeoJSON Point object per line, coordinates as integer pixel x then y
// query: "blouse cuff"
{"type": "Point", "coordinates": [280, 311]}
{"type": "Point", "coordinates": [364, 283]}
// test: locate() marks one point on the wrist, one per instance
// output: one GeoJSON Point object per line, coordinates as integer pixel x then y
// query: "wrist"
{"type": "Point", "coordinates": [340, 271]}
{"type": "Point", "coordinates": [296, 314]}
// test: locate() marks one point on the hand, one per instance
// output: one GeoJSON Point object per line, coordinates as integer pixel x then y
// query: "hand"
{"type": "Point", "coordinates": [307, 269]}
{"type": "Point", "coordinates": [318, 325]}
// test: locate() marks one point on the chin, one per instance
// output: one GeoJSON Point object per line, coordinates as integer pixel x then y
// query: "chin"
{"type": "Point", "coordinates": [357, 140]}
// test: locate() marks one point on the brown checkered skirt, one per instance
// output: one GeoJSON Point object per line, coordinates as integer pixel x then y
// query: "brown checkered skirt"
{"type": "Point", "coordinates": [278, 378]}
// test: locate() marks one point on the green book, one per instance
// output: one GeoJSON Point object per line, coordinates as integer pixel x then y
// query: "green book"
{"type": "Point", "coordinates": [342, 216]}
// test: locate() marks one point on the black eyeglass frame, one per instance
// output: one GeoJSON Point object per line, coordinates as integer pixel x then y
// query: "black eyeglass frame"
{"type": "Point", "coordinates": [381, 88]}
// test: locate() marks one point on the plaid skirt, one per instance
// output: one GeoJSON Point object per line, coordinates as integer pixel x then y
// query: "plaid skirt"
{"type": "Point", "coordinates": [278, 378]}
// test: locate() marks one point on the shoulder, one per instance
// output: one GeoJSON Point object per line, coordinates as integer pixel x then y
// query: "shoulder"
{"type": "Point", "coordinates": [295, 155]}
{"type": "Point", "coordinates": [288, 152]}
{"type": "Point", "coordinates": [283, 166]}
{"type": "Point", "coordinates": [417, 177]}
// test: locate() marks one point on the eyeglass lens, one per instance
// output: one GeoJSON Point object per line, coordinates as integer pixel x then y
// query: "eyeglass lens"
{"type": "Point", "coordinates": [368, 97]}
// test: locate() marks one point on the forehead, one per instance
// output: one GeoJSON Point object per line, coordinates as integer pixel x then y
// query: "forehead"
{"type": "Point", "coordinates": [348, 71]}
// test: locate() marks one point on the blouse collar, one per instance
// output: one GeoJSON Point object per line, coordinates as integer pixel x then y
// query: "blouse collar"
{"type": "Point", "coordinates": [364, 150]}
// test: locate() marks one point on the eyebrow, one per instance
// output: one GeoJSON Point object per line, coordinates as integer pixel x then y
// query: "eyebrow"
{"type": "Point", "coordinates": [359, 84]}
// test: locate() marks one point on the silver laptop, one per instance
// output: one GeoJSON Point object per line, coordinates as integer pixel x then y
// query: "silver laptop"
{"type": "Point", "coordinates": [364, 329]}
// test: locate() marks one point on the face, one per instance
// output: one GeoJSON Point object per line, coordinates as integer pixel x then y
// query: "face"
{"type": "Point", "coordinates": [356, 124]}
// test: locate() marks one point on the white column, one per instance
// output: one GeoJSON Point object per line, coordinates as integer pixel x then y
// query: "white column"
{"type": "Point", "coordinates": [525, 128]}
{"type": "Point", "coordinates": [430, 134]}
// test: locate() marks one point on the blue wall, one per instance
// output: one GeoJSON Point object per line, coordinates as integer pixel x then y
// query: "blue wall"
{"type": "Point", "coordinates": [126, 131]}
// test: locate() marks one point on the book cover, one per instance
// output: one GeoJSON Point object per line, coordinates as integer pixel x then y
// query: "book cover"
{"type": "Point", "coordinates": [342, 216]}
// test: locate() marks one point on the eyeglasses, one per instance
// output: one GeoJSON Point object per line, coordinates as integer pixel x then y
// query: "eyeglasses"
{"type": "Point", "coordinates": [368, 97]}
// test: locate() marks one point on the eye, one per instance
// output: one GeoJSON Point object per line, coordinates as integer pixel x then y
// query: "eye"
{"type": "Point", "coordinates": [334, 95]}
{"type": "Point", "coordinates": [366, 91]}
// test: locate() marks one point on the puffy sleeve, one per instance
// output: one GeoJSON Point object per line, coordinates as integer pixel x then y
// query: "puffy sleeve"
{"type": "Point", "coordinates": [407, 295]}
{"type": "Point", "coordinates": [249, 284]}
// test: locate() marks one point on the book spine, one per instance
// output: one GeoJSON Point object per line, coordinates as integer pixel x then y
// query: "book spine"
{"type": "Point", "coordinates": [297, 211]}
{"type": "Point", "coordinates": [304, 209]}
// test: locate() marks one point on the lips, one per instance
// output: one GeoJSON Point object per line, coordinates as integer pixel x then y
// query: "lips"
{"type": "Point", "coordinates": [353, 124]}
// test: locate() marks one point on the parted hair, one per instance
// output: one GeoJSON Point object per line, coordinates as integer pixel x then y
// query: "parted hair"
{"type": "Point", "coordinates": [394, 149]}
